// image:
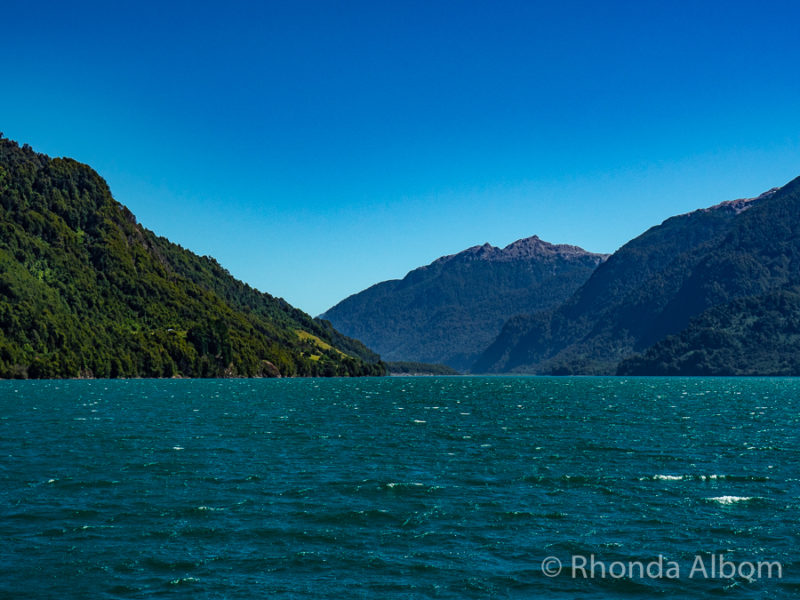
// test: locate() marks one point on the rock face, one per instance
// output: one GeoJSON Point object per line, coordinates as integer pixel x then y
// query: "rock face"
{"type": "Point", "coordinates": [450, 310]}
{"type": "Point", "coordinates": [655, 285]}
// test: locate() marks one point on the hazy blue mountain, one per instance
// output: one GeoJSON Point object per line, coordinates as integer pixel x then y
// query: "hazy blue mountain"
{"type": "Point", "coordinates": [450, 310]}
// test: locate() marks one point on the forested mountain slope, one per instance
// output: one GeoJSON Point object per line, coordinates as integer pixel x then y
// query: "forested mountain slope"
{"type": "Point", "coordinates": [87, 291]}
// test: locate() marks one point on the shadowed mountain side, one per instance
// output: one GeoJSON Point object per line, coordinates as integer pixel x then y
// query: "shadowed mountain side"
{"type": "Point", "coordinates": [758, 335]}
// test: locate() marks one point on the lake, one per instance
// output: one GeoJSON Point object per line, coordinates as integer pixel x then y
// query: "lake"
{"type": "Point", "coordinates": [452, 487]}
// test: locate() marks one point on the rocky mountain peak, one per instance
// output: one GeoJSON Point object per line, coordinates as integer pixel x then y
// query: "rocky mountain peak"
{"type": "Point", "coordinates": [523, 249]}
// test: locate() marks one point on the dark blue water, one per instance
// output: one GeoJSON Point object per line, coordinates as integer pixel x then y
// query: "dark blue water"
{"type": "Point", "coordinates": [398, 487]}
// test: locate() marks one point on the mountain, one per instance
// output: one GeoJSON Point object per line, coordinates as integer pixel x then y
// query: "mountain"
{"type": "Point", "coordinates": [450, 310]}
{"type": "Point", "coordinates": [656, 284]}
{"type": "Point", "coordinates": [85, 291]}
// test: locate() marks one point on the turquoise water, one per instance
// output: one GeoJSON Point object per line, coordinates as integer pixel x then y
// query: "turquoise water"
{"type": "Point", "coordinates": [398, 487]}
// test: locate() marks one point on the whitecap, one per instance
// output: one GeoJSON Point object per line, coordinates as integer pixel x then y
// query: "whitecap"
{"type": "Point", "coordinates": [731, 499]}
{"type": "Point", "coordinates": [668, 477]}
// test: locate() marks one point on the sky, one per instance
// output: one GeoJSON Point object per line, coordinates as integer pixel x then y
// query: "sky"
{"type": "Point", "coordinates": [317, 148]}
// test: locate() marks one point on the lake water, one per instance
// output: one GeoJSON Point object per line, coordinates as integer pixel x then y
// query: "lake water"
{"type": "Point", "coordinates": [400, 488]}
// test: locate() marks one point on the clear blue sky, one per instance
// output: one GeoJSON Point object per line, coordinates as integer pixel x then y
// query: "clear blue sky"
{"type": "Point", "coordinates": [316, 148]}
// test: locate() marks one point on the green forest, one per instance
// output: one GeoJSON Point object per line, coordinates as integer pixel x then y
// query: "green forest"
{"type": "Point", "coordinates": [86, 291]}
{"type": "Point", "coordinates": [416, 368]}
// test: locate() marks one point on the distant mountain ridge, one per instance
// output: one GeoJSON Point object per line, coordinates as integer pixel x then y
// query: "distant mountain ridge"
{"type": "Point", "coordinates": [656, 285]}
{"type": "Point", "coordinates": [738, 205]}
{"type": "Point", "coordinates": [448, 311]}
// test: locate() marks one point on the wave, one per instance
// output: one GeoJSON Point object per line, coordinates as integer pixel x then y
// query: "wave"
{"type": "Point", "coordinates": [711, 477]}
{"type": "Point", "coordinates": [725, 500]}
